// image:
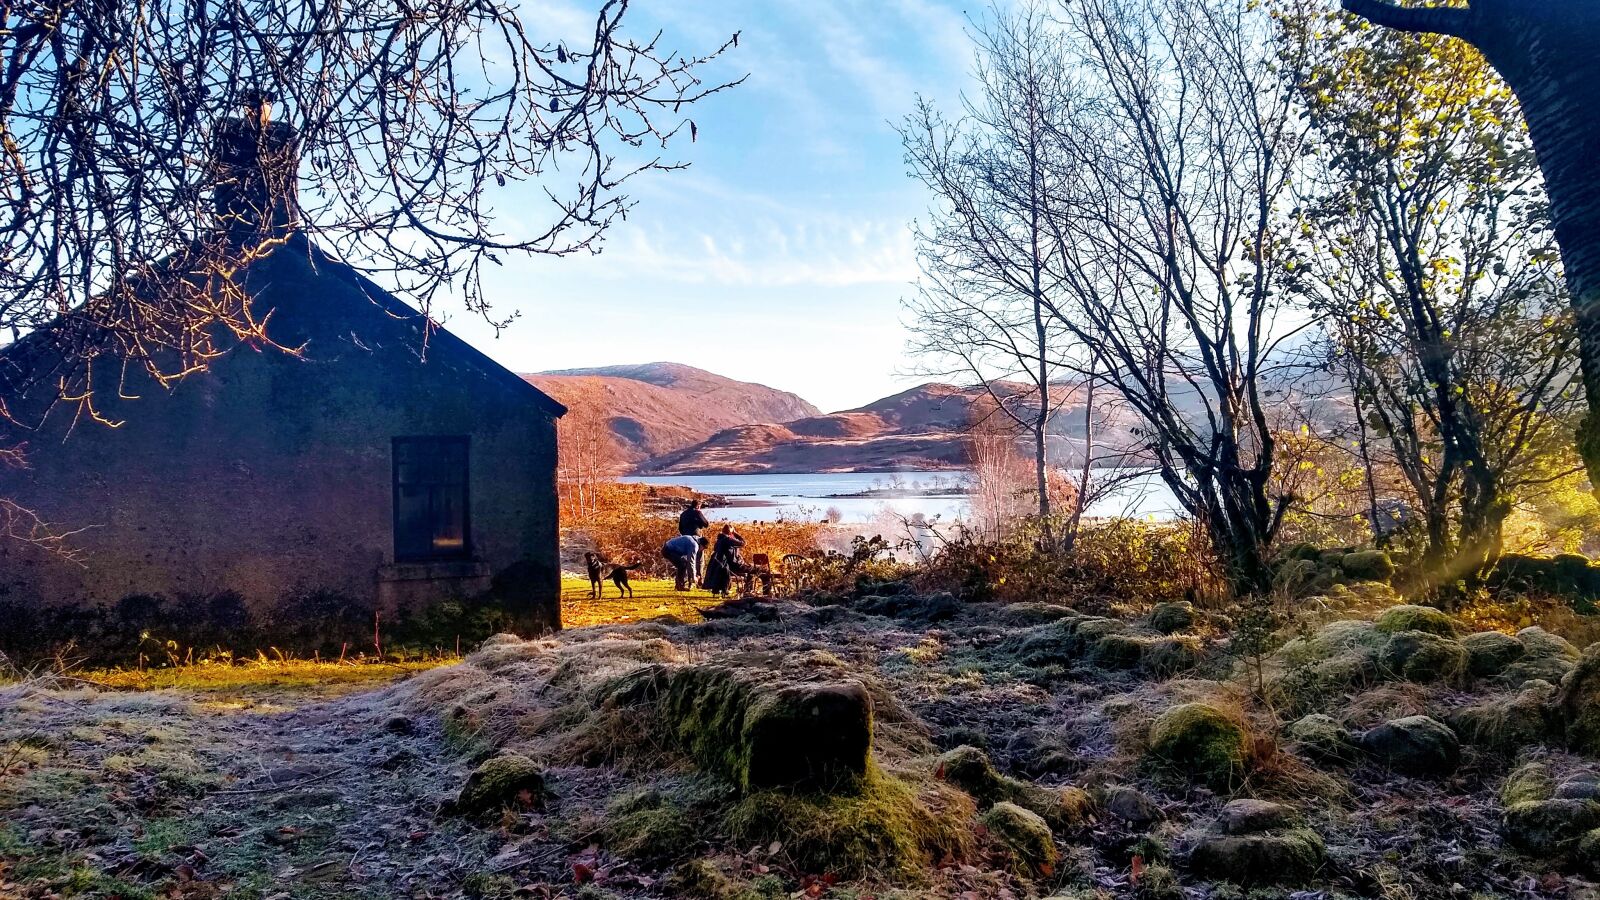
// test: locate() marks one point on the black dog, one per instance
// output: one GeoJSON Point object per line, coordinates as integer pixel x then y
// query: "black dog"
{"type": "Point", "coordinates": [595, 567]}
{"type": "Point", "coordinates": [619, 577]}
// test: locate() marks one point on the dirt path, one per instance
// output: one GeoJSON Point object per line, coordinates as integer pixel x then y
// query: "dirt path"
{"type": "Point", "coordinates": [280, 795]}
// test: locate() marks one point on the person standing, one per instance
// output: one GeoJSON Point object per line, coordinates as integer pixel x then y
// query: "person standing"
{"type": "Point", "coordinates": [690, 522]}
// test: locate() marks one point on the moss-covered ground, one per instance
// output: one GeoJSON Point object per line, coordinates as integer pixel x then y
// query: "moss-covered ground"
{"type": "Point", "coordinates": [340, 782]}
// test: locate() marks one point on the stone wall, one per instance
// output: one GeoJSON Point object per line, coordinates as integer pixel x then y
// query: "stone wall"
{"type": "Point", "coordinates": [271, 475]}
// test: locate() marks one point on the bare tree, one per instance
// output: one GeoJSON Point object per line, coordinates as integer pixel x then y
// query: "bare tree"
{"type": "Point", "coordinates": [148, 155]}
{"type": "Point", "coordinates": [989, 266]}
{"type": "Point", "coordinates": [1171, 241]}
{"type": "Point", "coordinates": [120, 224]}
{"type": "Point", "coordinates": [589, 459]}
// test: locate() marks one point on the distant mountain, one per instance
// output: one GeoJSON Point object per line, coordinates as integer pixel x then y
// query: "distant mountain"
{"type": "Point", "coordinates": [927, 428]}
{"type": "Point", "coordinates": [656, 408]}
{"type": "Point", "coordinates": [923, 428]}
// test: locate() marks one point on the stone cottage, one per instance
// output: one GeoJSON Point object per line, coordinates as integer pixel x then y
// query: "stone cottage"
{"type": "Point", "coordinates": [372, 463]}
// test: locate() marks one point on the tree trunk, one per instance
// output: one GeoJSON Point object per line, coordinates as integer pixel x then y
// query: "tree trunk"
{"type": "Point", "coordinates": [1546, 51]}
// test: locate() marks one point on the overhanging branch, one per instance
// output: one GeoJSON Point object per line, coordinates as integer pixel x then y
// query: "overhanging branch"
{"type": "Point", "coordinates": [1453, 21]}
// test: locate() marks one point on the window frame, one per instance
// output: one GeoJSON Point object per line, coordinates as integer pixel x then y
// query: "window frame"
{"type": "Point", "coordinates": [465, 442]}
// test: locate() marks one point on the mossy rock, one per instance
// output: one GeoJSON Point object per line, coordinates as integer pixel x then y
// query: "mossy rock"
{"type": "Point", "coordinates": [1203, 742]}
{"type": "Point", "coordinates": [1297, 576]}
{"type": "Point", "coordinates": [1490, 652]}
{"type": "Point", "coordinates": [1546, 657]}
{"type": "Point", "coordinates": [649, 827]}
{"type": "Point", "coordinates": [1424, 657]}
{"type": "Point", "coordinates": [701, 879]}
{"type": "Point", "coordinates": [1173, 655]}
{"type": "Point", "coordinates": [1171, 618]}
{"type": "Point", "coordinates": [1131, 805]}
{"type": "Point", "coordinates": [1547, 828]}
{"type": "Point", "coordinates": [1577, 703]}
{"type": "Point", "coordinates": [970, 769]}
{"type": "Point", "coordinates": [1580, 786]}
{"type": "Point", "coordinates": [759, 733]}
{"type": "Point", "coordinates": [1509, 723]}
{"type": "Point", "coordinates": [1415, 618]}
{"type": "Point", "coordinates": [509, 780]}
{"type": "Point", "coordinates": [891, 826]}
{"type": "Point", "coordinates": [1251, 816]}
{"type": "Point", "coordinates": [1117, 651]}
{"type": "Point", "coordinates": [1526, 784]}
{"type": "Point", "coordinates": [1322, 739]}
{"type": "Point", "coordinates": [1331, 640]}
{"type": "Point", "coordinates": [1589, 852]}
{"type": "Point", "coordinates": [1053, 643]}
{"type": "Point", "coordinates": [1542, 643]}
{"type": "Point", "coordinates": [1415, 745]}
{"type": "Point", "coordinates": [1025, 836]}
{"type": "Point", "coordinates": [1301, 550]}
{"type": "Point", "coordinates": [1288, 858]}
{"type": "Point", "coordinates": [1026, 613]}
{"type": "Point", "coordinates": [1367, 565]}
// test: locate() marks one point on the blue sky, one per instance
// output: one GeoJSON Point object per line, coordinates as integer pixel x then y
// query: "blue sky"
{"type": "Point", "coordinates": [781, 255]}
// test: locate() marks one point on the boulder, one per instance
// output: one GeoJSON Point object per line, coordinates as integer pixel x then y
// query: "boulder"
{"type": "Point", "coordinates": [1132, 806]}
{"type": "Point", "coordinates": [1548, 828]}
{"type": "Point", "coordinates": [936, 607]}
{"type": "Point", "coordinates": [1583, 786]}
{"type": "Point", "coordinates": [1167, 656]}
{"type": "Point", "coordinates": [1024, 835]}
{"type": "Point", "coordinates": [1589, 853]}
{"type": "Point", "coordinates": [1511, 722]}
{"type": "Point", "coordinates": [1296, 576]}
{"type": "Point", "coordinates": [1527, 783]}
{"type": "Point", "coordinates": [1203, 742]}
{"type": "Point", "coordinates": [969, 769]}
{"type": "Point", "coordinates": [759, 732]}
{"type": "Point", "coordinates": [1490, 652]}
{"type": "Point", "coordinates": [1577, 703]}
{"type": "Point", "coordinates": [1423, 656]}
{"type": "Point", "coordinates": [1415, 618]}
{"type": "Point", "coordinates": [1321, 738]}
{"type": "Point", "coordinates": [1117, 651]}
{"type": "Point", "coordinates": [1171, 618]}
{"type": "Point", "coordinates": [1245, 816]}
{"type": "Point", "coordinates": [1061, 642]}
{"type": "Point", "coordinates": [1415, 745]}
{"type": "Point", "coordinates": [501, 781]}
{"type": "Point", "coordinates": [1547, 657]}
{"type": "Point", "coordinates": [1289, 858]}
{"type": "Point", "coordinates": [1026, 613]}
{"type": "Point", "coordinates": [1367, 565]}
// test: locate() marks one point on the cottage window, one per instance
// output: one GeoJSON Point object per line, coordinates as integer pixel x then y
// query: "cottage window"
{"type": "Point", "coordinates": [430, 499]}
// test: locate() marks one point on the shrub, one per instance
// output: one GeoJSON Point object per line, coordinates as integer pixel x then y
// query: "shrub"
{"type": "Point", "coordinates": [1150, 562]}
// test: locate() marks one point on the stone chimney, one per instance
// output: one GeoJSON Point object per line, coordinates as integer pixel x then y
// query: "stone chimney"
{"type": "Point", "coordinates": [257, 165]}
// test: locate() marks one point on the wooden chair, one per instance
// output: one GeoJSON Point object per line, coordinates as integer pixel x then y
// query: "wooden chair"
{"type": "Point", "coordinates": [760, 567]}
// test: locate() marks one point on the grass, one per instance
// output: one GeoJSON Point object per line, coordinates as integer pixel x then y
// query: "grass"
{"type": "Point", "coordinates": [651, 598]}
{"type": "Point", "coordinates": [271, 676]}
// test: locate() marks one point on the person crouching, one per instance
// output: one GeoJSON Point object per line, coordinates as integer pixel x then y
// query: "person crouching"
{"type": "Point", "coordinates": [681, 552]}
